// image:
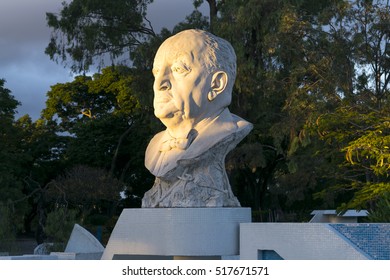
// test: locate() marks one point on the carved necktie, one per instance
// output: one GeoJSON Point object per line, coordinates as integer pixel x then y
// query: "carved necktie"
{"type": "Point", "coordinates": [178, 143]}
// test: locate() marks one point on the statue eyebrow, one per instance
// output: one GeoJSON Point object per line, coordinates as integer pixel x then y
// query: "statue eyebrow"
{"type": "Point", "coordinates": [181, 57]}
{"type": "Point", "coordinates": [180, 68]}
{"type": "Point", "coordinates": [182, 62]}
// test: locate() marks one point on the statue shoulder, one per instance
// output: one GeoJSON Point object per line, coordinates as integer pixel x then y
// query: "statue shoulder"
{"type": "Point", "coordinates": [241, 123]}
{"type": "Point", "coordinates": [157, 138]}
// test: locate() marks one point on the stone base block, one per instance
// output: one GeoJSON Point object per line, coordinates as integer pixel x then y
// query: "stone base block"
{"type": "Point", "coordinates": [164, 233]}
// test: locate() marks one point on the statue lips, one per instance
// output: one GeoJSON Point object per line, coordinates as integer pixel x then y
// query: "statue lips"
{"type": "Point", "coordinates": [165, 107]}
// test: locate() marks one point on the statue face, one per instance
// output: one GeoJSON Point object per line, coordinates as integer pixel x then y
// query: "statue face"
{"type": "Point", "coordinates": [181, 81]}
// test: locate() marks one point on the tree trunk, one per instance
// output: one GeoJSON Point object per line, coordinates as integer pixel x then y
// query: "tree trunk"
{"type": "Point", "coordinates": [213, 13]}
{"type": "Point", "coordinates": [121, 138]}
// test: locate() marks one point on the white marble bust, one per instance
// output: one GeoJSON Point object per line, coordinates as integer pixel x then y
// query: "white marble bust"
{"type": "Point", "coordinates": [194, 74]}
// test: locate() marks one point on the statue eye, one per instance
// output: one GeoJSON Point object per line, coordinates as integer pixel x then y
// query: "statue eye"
{"type": "Point", "coordinates": [180, 69]}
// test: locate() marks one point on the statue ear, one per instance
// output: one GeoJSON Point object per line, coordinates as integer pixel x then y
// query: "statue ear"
{"type": "Point", "coordinates": [218, 84]}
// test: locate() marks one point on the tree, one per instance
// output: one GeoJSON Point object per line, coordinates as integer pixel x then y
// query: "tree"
{"type": "Point", "coordinates": [84, 31]}
{"type": "Point", "coordinates": [107, 123]}
{"type": "Point", "coordinates": [359, 138]}
{"type": "Point", "coordinates": [359, 128]}
{"type": "Point", "coordinates": [213, 10]}
{"type": "Point", "coordinates": [381, 213]}
{"type": "Point", "coordinates": [43, 159]}
{"type": "Point", "coordinates": [59, 226]}
{"type": "Point", "coordinates": [84, 188]}
{"type": "Point", "coordinates": [8, 103]}
{"type": "Point", "coordinates": [284, 78]}
{"type": "Point", "coordinates": [372, 41]}
{"type": "Point", "coordinates": [113, 92]}
{"type": "Point", "coordinates": [12, 206]}
{"type": "Point", "coordinates": [87, 195]}
{"type": "Point", "coordinates": [93, 122]}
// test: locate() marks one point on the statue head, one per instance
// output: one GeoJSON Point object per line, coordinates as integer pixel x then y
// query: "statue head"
{"type": "Point", "coordinates": [194, 75]}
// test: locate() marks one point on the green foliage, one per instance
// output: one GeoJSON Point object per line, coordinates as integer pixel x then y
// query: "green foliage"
{"type": "Point", "coordinates": [364, 172]}
{"type": "Point", "coordinates": [84, 30]}
{"type": "Point", "coordinates": [12, 158]}
{"type": "Point", "coordinates": [83, 194]}
{"type": "Point", "coordinates": [104, 114]}
{"type": "Point", "coordinates": [298, 61]}
{"type": "Point", "coordinates": [359, 138]}
{"type": "Point", "coordinates": [284, 77]}
{"type": "Point", "coordinates": [358, 128]}
{"type": "Point", "coordinates": [83, 187]}
{"type": "Point", "coordinates": [381, 212]}
{"type": "Point", "coordinates": [196, 20]}
{"type": "Point", "coordinates": [59, 225]}
{"type": "Point", "coordinates": [371, 150]}
{"type": "Point", "coordinates": [7, 103]}
{"type": "Point", "coordinates": [113, 92]}
{"type": "Point", "coordinates": [42, 158]}
{"type": "Point", "coordinates": [7, 230]}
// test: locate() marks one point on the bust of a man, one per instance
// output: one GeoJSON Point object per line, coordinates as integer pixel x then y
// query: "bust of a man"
{"type": "Point", "coordinates": [194, 74]}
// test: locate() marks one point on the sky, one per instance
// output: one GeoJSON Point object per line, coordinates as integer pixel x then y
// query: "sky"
{"type": "Point", "coordinates": [24, 35]}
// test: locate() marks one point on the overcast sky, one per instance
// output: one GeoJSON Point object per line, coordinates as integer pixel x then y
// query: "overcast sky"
{"type": "Point", "coordinates": [24, 35]}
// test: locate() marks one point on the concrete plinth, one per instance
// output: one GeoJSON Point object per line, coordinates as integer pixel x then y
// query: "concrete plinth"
{"type": "Point", "coordinates": [164, 233]}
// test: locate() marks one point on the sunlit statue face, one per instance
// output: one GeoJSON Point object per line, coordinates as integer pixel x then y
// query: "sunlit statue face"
{"type": "Point", "coordinates": [182, 83]}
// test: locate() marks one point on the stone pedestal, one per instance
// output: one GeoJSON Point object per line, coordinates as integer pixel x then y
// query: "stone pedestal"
{"type": "Point", "coordinates": [176, 233]}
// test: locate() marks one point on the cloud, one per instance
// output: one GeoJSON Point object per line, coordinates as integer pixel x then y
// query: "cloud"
{"type": "Point", "coordinates": [23, 64]}
{"type": "Point", "coordinates": [30, 80]}
{"type": "Point", "coordinates": [25, 21]}
{"type": "Point", "coordinates": [169, 13]}
{"type": "Point", "coordinates": [23, 28]}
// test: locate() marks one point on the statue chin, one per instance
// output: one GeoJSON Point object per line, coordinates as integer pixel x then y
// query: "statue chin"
{"type": "Point", "coordinates": [171, 119]}
{"type": "Point", "coordinates": [167, 111]}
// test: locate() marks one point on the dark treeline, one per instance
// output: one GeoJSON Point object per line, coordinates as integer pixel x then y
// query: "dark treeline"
{"type": "Point", "coordinates": [313, 78]}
